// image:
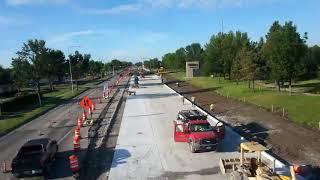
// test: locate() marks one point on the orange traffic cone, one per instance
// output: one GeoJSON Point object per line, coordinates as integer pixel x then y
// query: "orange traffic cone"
{"type": "Point", "coordinates": [93, 107]}
{"type": "Point", "coordinates": [84, 116]}
{"type": "Point", "coordinates": [76, 143]}
{"type": "Point", "coordinates": [77, 132]}
{"type": "Point", "coordinates": [79, 122]}
{"type": "Point", "coordinates": [74, 163]}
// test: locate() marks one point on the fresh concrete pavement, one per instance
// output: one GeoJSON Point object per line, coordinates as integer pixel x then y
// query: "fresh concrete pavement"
{"type": "Point", "coordinates": [145, 147]}
{"type": "Point", "coordinates": [63, 119]}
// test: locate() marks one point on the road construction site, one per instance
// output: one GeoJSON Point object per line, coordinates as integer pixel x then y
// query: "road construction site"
{"type": "Point", "coordinates": [59, 124]}
{"type": "Point", "coordinates": [146, 149]}
{"type": "Point", "coordinates": [131, 136]}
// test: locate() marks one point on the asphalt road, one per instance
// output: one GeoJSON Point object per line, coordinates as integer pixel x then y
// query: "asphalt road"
{"type": "Point", "coordinates": [63, 119]}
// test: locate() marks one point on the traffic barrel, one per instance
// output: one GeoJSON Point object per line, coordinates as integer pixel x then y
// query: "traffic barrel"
{"type": "Point", "coordinates": [77, 132]}
{"type": "Point", "coordinates": [74, 164]}
{"type": "Point", "coordinates": [84, 116]}
{"type": "Point", "coordinates": [79, 122]}
{"type": "Point", "coordinates": [93, 107]}
{"type": "Point", "coordinates": [76, 143]}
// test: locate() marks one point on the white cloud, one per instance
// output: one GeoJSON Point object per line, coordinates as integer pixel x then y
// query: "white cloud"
{"type": "Point", "coordinates": [28, 2]}
{"type": "Point", "coordinates": [141, 5]}
{"type": "Point", "coordinates": [113, 10]}
{"type": "Point", "coordinates": [69, 36]}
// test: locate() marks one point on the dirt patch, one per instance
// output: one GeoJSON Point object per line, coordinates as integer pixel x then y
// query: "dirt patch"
{"type": "Point", "coordinates": [290, 141]}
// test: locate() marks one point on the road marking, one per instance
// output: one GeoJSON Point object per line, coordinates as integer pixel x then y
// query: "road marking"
{"type": "Point", "coordinates": [65, 136]}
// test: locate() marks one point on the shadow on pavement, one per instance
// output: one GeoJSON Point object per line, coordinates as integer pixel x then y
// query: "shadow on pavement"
{"type": "Point", "coordinates": [119, 157]}
{"type": "Point", "coordinates": [253, 132]}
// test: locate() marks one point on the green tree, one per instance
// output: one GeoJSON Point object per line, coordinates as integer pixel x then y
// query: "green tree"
{"type": "Point", "coordinates": [55, 67]}
{"type": "Point", "coordinates": [32, 57]}
{"type": "Point", "coordinates": [249, 68]}
{"type": "Point", "coordinates": [5, 75]}
{"type": "Point", "coordinates": [169, 61]}
{"type": "Point", "coordinates": [95, 68]}
{"type": "Point", "coordinates": [194, 52]}
{"type": "Point", "coordinates": [179, 61]}
{"type": "Point", "coordinates": [284, 48]}
{"type": "Point", "coordinates": [138, 64]}
{"type": "Point", "coordinates": [79, 65]}
{"type": "Point", "coordinates": [311, 62]}
{"type": "Point", "coordinates": [213, 63]}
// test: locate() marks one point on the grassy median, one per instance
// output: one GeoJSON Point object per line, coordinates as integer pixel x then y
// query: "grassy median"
{"type": "Point", "coordinates": [11, 120]}
{"type": "Point", "coordinates": [301, 108]}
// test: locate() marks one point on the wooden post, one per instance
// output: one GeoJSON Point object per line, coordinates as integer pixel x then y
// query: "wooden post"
{"type": "Point", "coordinates": [283, 112]}
{"type": "Point", "coordinates": [241, 155]}
{"type": "Point", "coordinates": [211, 107]}
{"type": "Point", "coordinates": [193, 100]}
{"type": "Point", "coordinates": [272, 108]}
{"type": "Point", "coordinates": [319, 125]}
{"type": "Point", "coordinates": [274, 166]}
{"type": "Point", "coordinates": [293, 174]}
{"type": "Point", "coordinates": [182, 99]}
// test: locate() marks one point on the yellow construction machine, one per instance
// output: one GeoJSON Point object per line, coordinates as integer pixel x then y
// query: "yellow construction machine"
{"type": "Point", "coordinates": [250, 168]}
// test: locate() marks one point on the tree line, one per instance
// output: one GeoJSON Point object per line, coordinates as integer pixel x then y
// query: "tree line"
{"type": "Point", "coordinates": [35, 62]}
{"type": "Point", "coordinates": [281, 56]}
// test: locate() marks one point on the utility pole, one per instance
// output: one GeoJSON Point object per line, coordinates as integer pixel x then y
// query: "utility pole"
{"type": "Point", "coordinates": [71, 79]}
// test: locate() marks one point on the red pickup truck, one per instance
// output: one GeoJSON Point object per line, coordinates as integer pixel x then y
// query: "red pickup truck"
{"type": "Point", "coordinates": [199, 134]}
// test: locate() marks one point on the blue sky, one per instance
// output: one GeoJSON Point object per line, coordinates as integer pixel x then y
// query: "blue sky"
{"type": "Point", "coordinates": [135, 29]}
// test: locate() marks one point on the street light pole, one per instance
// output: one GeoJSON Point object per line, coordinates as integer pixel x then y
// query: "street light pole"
{"type": "Point", "coordinates": [71, 76]}
{"type": "Point", "coordinates": [71, 79]}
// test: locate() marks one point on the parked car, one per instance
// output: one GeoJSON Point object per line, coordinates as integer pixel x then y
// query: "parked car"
{"type": "Point", "coordinates": [192, 126]}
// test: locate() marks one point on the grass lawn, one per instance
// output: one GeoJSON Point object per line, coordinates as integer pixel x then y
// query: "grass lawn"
{"type": "Point", "coordinates": [301, 108]}
{"type": "Point", "coordinates": [50, 100]}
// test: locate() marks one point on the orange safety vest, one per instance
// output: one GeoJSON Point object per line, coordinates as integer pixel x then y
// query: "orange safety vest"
{"type": "Point", "coordinates": [74, 164]}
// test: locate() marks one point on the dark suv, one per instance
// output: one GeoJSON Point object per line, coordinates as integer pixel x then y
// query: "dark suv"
{"type": "Point", "coordinates": [34, 157]}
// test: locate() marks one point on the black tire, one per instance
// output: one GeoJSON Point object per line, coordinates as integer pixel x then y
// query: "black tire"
{"type": "Point", "coordinates": [17, 175]}
{"type": "Point", "coordinates": [191, 146]}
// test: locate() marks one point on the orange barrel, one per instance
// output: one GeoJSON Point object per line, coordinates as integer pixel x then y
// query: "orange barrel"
{"type": "Point", "coordinates": [90, 111]}
{"type": "Point", "coordinates": [77, 132]}
{"type": "Point", "coordinates": [76, 143]}
{"type": "Point", "coordinates": [84, 116]}
{"type": "Point", "coordinates": [79, 122]}
{"type": "Point", "coordinates": [74, 163]}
